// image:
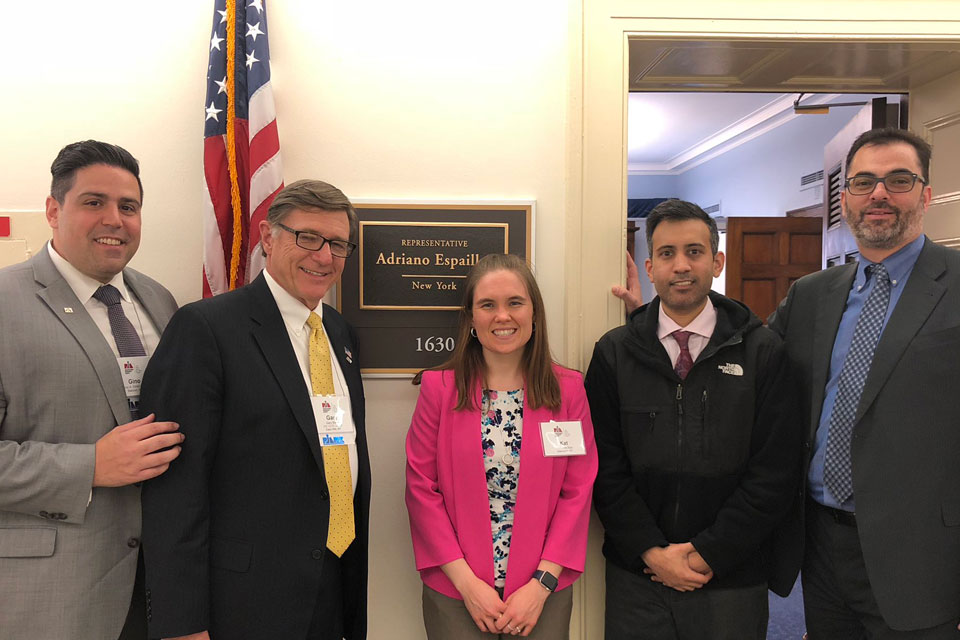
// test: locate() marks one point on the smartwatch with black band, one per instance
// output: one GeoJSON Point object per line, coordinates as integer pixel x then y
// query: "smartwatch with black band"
{"type": "Point", "coordinates": [548, 580]}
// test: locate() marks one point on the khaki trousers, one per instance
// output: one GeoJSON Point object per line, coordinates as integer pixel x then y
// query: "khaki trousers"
{"type": "Point", "coordinates": [446, 618]}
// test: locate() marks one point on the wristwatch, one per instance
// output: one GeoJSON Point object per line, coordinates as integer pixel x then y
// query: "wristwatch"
{"type": "Point", "coordinates": [548, 580]}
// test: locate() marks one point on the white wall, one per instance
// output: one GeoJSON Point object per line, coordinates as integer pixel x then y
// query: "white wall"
{"type": "Point", "coordinates": [422, 100]}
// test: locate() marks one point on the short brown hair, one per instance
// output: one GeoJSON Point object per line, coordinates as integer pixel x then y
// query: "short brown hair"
{"type": "Point", "coordinates": [314, 195]}
{"type": "Point", "coordinates": [889, 135]}
{"type": "Point", "coordinates": [79, 155]}
{"type": "Point", "coordinates": [541, 387]}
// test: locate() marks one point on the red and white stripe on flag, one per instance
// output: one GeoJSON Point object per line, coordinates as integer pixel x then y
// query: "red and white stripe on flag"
{"type": "Point", "coordinates": [241, 149]}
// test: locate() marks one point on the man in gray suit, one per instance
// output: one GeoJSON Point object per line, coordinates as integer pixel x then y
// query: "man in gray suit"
{"type": "Point", "coordinates": [76, 328]}
{"type": "Point", "coordinates": [876, 346]}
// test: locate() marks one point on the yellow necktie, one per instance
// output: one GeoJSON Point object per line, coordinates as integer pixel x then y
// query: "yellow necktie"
{"type": "Point", "coordinates": [336, 460]}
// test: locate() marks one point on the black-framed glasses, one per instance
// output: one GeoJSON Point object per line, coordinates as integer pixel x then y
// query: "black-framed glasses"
{"type": "Point", "coordinates": [896, 182]}
{"type": "Point", "coordinates": [312, 241]}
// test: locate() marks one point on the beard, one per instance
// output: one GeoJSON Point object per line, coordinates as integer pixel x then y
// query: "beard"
{"type": "Point", "coordinates": [882, 234]}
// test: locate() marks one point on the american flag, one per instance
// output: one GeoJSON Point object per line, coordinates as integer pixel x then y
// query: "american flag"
{"type": "Point", "coordinates": [241, 148]}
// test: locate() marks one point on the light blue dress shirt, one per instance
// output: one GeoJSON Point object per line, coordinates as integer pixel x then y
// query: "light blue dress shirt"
{"type": "Point", "coordinates": [899, 267]}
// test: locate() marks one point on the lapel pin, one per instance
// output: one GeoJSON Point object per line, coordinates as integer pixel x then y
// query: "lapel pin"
{"type": "Point", "coordinates": [68, 309]}
{"type": "Point", "coordinates": [349, 355]}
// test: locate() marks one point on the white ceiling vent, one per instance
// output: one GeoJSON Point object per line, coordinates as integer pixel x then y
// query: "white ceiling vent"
{"type": "Point", "coordinates": [811, 180]}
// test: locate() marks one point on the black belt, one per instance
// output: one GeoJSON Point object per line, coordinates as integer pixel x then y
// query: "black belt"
{"type": "Point", "coordinates": [846, 518]}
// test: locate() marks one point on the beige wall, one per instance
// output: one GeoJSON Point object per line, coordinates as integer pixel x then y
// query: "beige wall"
{"type": "Point", "coordinates": [412, 100]}
{"type": "Point", "coordinates": [415, 100]}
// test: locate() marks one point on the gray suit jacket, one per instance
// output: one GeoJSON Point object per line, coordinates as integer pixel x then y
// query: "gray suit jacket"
{"type": "Point", "coordinates": [906, 446]}
{"type": "Point", "coordinates": [66, 569]}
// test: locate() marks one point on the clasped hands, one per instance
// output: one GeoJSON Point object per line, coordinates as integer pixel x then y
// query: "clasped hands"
{"type": "Point", "coordinates": [678, 566]}
{"type": "Point", "coordinates": [517, 615]}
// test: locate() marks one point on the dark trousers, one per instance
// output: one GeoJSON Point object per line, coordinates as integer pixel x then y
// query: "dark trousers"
{"type": "Point", "coordinates": [327, 622]}
{"type": "Point", "coordinates": [638, 608]}
{"type": "Point", "coordinates": [838, 602]}
{"type": "Point", "coordinates": [135, 627]}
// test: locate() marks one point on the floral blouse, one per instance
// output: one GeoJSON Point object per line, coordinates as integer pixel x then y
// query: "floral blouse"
{"type": "Point", "coordinates": [501, 429]}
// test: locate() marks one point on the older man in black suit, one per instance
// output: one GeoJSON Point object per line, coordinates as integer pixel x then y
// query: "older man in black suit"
{"type": "Point", "coordinates": [261, 530]}
{"type": "Point", "coordinates": [877, 347]}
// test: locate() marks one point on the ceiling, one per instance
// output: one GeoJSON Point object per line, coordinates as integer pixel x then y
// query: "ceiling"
{"type": "Point", "coordinates": [669, 133]}
{"type": "Point", "coordinates": [674, 125]}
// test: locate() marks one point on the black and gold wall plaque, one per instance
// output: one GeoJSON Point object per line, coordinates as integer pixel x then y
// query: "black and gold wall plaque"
{"type": "Point", "coordinates": [402, 287]}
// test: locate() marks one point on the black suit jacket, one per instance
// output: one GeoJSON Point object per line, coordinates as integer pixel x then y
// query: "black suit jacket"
{"type": "Point", "coordinates": [906, 446]}
{"type": "Point", "coordinates": [235, 532]}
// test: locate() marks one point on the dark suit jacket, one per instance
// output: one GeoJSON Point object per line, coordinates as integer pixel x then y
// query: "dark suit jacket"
{"type": "Point", "coordinates": [235, 531]}
{"type": "Point", "coordinates": [906, 446]}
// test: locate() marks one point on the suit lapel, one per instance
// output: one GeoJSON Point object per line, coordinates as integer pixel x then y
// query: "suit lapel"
{"type": "Point", "coordinates": [470, 480]}
{"type": "Point", "coordinates": [826, 324]}
{"type": "Point", "coordinates": [533, 487]}
{"type": "Point", "coordinates": [158, 312]}
{"type": "Point", "coordinates": [342, 347]}
{"type": "Point", "coordinates": [59, 297]}
{"type": "Point", "coordinates": [920, 296]}
{"type": "Point", "coordinates": [271, 336]}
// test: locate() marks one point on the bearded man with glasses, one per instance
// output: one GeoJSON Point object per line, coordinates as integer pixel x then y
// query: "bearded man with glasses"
{"type": "Point", "coordinates": [876, 346]}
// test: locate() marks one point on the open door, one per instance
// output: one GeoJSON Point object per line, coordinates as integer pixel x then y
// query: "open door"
{"type": "Point", "coordinates": [765, 256]}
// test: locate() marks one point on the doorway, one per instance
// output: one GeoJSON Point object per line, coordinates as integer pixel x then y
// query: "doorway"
{"type": "Point", "coordinates": [597, 134]}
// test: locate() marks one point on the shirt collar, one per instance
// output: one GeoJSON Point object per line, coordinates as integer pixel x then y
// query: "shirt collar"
{"type": "Point", "coordinates": [703, 324]}
{"type": "Point", "coordinates": [898, 265]}
{"type": "Point", "coordinates": [293, 312]}
{"type": "Point", "coordinates": [84, 286]}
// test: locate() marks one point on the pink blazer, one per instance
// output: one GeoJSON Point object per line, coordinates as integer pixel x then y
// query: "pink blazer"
{"type": "Point", "coordinates": [447, 489]}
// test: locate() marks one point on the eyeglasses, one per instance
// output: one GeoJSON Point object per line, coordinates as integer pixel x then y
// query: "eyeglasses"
{"type": "Point", "coordinates": [897, 182]}
{"type": "Point", "coordinates": [314, 242]}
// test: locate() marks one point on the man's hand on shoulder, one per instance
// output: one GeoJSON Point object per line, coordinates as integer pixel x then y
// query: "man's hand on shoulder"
{"type": "Point", "coordinates": [630, 295]}
{"type": "Point", "coordinates": [671, 566]}
{"type": "Point", "coordinates": [136, 451]}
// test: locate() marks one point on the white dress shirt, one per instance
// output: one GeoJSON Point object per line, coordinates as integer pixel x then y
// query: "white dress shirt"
{"type": "Point", "coordinates": [84, 287]}
{"type": "Point", "coordinates": [701, 327]}
{"type": "Point", "coordinates": [295, 315]}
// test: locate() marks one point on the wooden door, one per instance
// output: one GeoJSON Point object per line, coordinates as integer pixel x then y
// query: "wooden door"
{"type": "Point", "coordinates": [765, 256]}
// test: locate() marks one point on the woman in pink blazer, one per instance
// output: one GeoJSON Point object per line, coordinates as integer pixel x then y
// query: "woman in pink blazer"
{"type": "Point", "coordinates": [500, 469]}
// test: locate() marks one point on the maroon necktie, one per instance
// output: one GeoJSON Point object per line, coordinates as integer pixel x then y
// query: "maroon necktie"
{"type": "Point", "coordinates": [684, 361]}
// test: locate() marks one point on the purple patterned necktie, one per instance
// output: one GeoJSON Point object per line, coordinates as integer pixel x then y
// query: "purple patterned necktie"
{"type": "Point", "coordinates": [684, 361]}
{"type": "Point", "coordinates": [128, 342]}
{"type": "Point", "coordinates": [837, 470]}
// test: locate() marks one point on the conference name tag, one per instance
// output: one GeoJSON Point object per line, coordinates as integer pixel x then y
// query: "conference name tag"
{"type": "Point", "coordinates": [334, 420]}
{"type": "Point", "coordinates": [131, 372]}
{"type": "Point", "coordinates": [562, 438]}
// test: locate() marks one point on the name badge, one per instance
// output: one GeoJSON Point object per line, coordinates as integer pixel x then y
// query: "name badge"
{"type": "Point", "coordinates": [562, 438]}
{"type": "Point", "coordinates": [131, 372]}
{"type": "Point", "coordinates": [334, 420]}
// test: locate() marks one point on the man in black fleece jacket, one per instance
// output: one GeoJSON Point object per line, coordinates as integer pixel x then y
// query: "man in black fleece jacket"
{"type": "Point", "coordinates": [699, 443]}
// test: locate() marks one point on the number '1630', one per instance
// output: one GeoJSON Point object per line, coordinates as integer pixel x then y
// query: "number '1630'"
{"type": "Point", "coordinates": [436, 344]}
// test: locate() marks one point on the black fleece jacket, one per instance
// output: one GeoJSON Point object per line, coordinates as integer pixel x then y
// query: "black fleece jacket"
{"type": "Point", "coordinates": [713, 459]}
